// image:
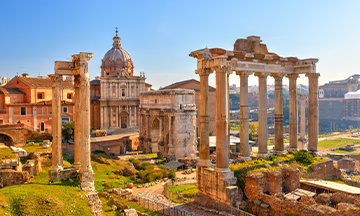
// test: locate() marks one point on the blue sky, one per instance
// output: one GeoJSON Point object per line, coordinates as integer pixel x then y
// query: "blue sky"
{"type": "Point", "coordinates": [159, 35]}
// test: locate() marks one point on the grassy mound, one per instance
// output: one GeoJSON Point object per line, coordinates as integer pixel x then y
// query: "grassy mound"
{"type": "Point", "coordinates": [40, 198]}
{"type": "Point", "coordinates": [35, 148]}
{"type": "Point", "coordinates": [187, 190]}
{"type": "Point", "coordinates": [6, 153]}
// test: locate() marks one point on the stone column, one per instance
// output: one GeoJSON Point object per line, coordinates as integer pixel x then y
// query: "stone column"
{"type": "Point", "coordinates": [228, 107]}
{"type": "Point", "coordinates": [102, 117]}
{"type": "Point", "coordinates": [302, 117]}
{"type": "Point", "coordinates": [130, 116]}
{"type": "Point", "coordinates": [136, 116]}
{"type": "Point", "coordinates": [111, 122]}
{"type": "Point", "coordinates": [279, 117]}
{"type": "Point", "coordinates": [56, 123]}
{"type": "Point", "coordinates": [293, 112]}
{"type": "Point", "coordinates": [170, 156]}
{"type": "Point", "coordinates": [87, 175]}
{"type": "Point", "coordinates": [313, 112]}
{"type": "Point", "coordinates": [161, 135]}
{"type": "Point", "coordinates": [147, 148]}
{"type": "Point", "coordinates": [77, 123]}
{"type": "Point", "coordinates": [262, 115]}
{"type": "Point", "coordinates": [244, 115]}
{"type": "Point", "coordinates": [116, 116]}
{"type": "Point", "coordinates": [222, 145]}
{"type": "Point", "coordinates": [204, 117]}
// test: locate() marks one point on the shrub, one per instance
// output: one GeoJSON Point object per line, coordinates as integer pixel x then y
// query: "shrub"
{"type": "Point", "coordinates": [271, 157]}
{"type": "Point", "coordinates": [158, 174]}
{"type": "Point", "coordinates": [303, 157]}
{"type": "Point", "coordinates": [137, 164]}
{"type": "Point", "coordinates": [146, 166]}
{"type": "Point", "coordinates": [47, 136]}
{"type": "Point", "coordinates": [172, 174]}
{"type": "Point", "coordinates": [36, 136]}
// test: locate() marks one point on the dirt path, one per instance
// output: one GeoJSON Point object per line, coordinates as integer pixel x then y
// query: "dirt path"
{"type": "Point", "coordinates": [158, 188]}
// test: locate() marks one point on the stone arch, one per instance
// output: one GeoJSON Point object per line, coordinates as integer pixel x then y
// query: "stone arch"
{"type": "Point", "coordinates": [7, 139]}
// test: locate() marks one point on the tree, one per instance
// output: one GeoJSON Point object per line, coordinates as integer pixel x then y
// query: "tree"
{"type": "Point", "coordinates": [68, 131]}
{"type": "Point", "coordinates": [253, 130]}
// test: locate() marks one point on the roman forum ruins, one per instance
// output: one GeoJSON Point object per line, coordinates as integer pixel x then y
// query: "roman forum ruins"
{"type": "Point", "coordinates": [78, 67]}
{"type": "Point", "coordinates": [249, 57]}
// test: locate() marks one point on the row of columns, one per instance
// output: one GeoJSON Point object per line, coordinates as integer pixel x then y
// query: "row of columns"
{"type": "Point", "coordinates": [222, 116]}
{"type": "Point", "coordinates": [107, 113]}
{"type": "Point", "coordinates": [108, 86]}
{"type": "Point", "coordinates": [82, 148]}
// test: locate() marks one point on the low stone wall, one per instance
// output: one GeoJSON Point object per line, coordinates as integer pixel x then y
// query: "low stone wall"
{"type": "Point", "coordinates": [348, 164]}
{"type": "Point", "coordinates": [55, 176]}
{"type": "Point", "coordinates": [323, 170]}
{"type": "Point", "coordinates": [12, 177]}
{"type": "Point", "coordinates": [272, 182]}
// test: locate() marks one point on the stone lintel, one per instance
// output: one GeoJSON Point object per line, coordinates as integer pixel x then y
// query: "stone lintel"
{"type": "Point", "coordinates": [68, 72]}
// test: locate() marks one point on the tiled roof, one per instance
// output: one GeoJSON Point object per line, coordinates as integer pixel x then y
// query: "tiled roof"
{"type": "Point", "coordinates": [10, 91]}
{"type": "Point", "coordinates": [39, 82]}
{"type": "Point", "coordinates": [173, 165]}
{"type": "Point", "coordinates": [179, 85]}
{"type": "Point", "coordinates": [95, 82]}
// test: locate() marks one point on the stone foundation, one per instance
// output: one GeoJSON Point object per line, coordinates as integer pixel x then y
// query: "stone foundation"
{"type": "Point", "coordinates": [215, 185]}
{"type": "Point", "coordinates": [55, 176]}
{"type": "Point", "coordinates": [348, 164]}
{"type": "Point", "coordinates": [95, 203]}
{"type": "Point", "coordinates": [12, 177]}
{"type": "Point", "coordinates": [323, 170]}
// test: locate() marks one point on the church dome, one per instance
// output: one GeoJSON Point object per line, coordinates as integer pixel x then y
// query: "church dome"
{"type": "Point", "coordinates": [116, 52]}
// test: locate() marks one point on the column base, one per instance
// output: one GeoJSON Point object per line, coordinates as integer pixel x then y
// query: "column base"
{"type": "Point", "coordinates": [244, 158]}
{"type": "Point", "coordinates": [77, 165]}
{"type": "Point", "coordinates": [205, 163]}
{"type": "Point", "coordinates": [261, 155]}
{"type": "Point", "coordinates": [55, 176]}
{"type": "Point", "coordinates": [279, 153]}
{"type": "Point", "coordinates": [314, 153]}
{"type": "Point", "coordinates": [292, 150]}
{"type": "Point", "coordinates": [222, 170]}
{"type": "Point", "coordinates": [56, 168]}
{"type": "Point", "coordinates": [87, 180]}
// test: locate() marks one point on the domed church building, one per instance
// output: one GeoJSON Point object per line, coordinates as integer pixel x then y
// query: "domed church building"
{"type": "Point", "coordinates": [115, 95]}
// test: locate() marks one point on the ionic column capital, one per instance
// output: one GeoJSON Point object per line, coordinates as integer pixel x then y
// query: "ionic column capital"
{"type": "Point", "coordinates": [244, 73]}
{"type": "Point", "coordinates": [223, 69]}
{"type": "Point", "coordinates": [278, 76]}
{"type": "Point", "coordinates": [262, 74]}
{"type": "Point", "coordinates": [204, 72]}
{"type": "Point", "coordinates": [292, 76]}
{"type": "Point", "coordinates": [312, 75]}
{"type": "Point", "coordinates": [55, 78]}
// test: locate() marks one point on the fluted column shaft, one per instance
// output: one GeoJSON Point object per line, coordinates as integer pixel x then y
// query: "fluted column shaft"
{"type": "Point", "coordinates": [302, 116]}
{"type": "Point", "coordinates": [222, 124]}
{"type": "Point", "coordinates": [244, 116]}
{"type": "Point", "coordinates": [313, 112]}
{"type": "Point", "coordinates": [56, 123]}
{"type": "Point", "coordinates": [279, 117]}
{"type": "Point", "coordinates": [85, 110]}
{"type": "Point", "coordinates": [204, 117]}
{"type": "Point", "coordinates": [262, 115]}
{"type": "Point", "coordinates": [77, 123]}
{"type": "Point", "coordinates": [293, 112]}
{"type": "Point", "coordinates": [161, 133]}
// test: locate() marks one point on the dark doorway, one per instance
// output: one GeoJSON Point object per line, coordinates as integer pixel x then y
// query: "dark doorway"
{"type": "Point", "coordinates": [5, 139]}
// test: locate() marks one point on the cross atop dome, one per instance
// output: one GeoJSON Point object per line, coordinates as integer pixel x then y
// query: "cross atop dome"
{"type": "Point", "coordinates": [117, 40]}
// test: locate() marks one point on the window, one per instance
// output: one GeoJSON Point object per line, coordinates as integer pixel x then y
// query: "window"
{"type": "Point", "coordinates": [65, 109]}
{"type": "Point", "coordinates": [23, 110]}
{"type": "Point", "coordinates": [69, 96]}
{"type": "Point", "coordinates": [42, 126]}
{"type": "Point", "coordinates": [123, 92]}
{"type": "Point", "coordinates": [155, 101]}
{"type": "Point", "coordinates": [40, 96]}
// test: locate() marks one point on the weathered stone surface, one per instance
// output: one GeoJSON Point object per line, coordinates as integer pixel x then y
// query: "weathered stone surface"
{"type": "Point", "coordinates": [95, 203]}
{"type": "Point", "coordinates": [348, 163]}
{"type": "Point", "coordinates": [254, 185]}
{"type": "Point", "coordinates": [130, 212]}
{"type": "Point", "coordinates": [66, 173]}
{"type": "Point", "coordinates": [307, 200]}
{"type": "Point", "coordinates": [291, 179]}
{"type": "Point", "coordinates": [324, 198]}
{"type": "Point", "coordinates": [343, 205]}
{"type": "Point", "coordinates": [274, 180]}
{"type": "Point", "coordinates": [12, 177]}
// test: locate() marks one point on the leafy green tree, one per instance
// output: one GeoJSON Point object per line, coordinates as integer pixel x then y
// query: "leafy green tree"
{"type": "Point", "coordinates": [68, 131]}
{"type": "Point", "coordinates": [253, 130]}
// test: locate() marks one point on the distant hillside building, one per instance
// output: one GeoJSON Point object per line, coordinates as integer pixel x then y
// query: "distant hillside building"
{"type": "Point", "coordinates": [195, 85]}
{"type": "Point", "coordinates": [28, 100]}
{"type": "Point", "coordinates": [339, 104]}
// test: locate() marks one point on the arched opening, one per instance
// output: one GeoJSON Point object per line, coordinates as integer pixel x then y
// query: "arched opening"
{"type": "Point", "coordinates": [42, 126]}
{"type": "Point", "coordinates": [155, 135]}
{"type": "Point", "coordinates": [123, 118]}
{"type": "Point", "coordinates": [6, 140]}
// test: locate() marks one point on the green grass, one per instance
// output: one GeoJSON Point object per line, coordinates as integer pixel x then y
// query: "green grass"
{"type": "Point", "coordinates": [104, 174]}
{"type": "Point", "coordinates": [142, 156]}
{"type": "Point", "coordinates": [40, 198]}
{"type": "Point", "coordinates": [336, 143]}
{"type": "Point", "coordinates": [187, 191]}
{"type": "Point", "coordinates": [344, 152]}
{"type": "Point", "coordinates": [6, 153]}
{"type": "Point", "coordinates": [35, 148]}
{"type": "Point", "coordinates": [331, 134]}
